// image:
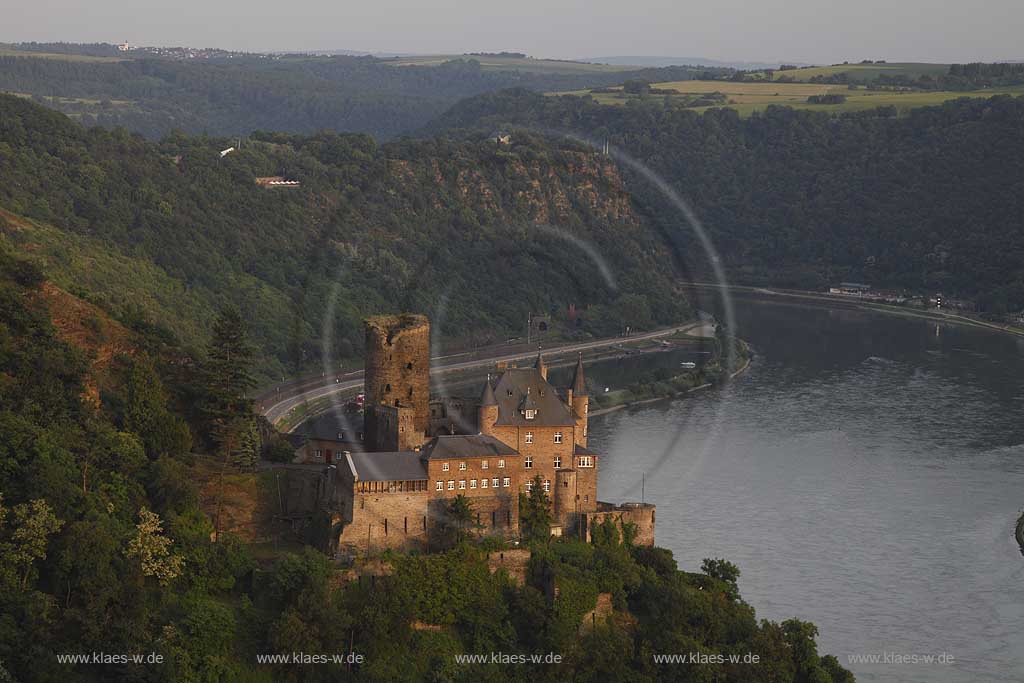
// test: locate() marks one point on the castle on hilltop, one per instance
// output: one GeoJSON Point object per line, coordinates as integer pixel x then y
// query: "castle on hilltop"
{"type": "Point", "coordinates": [395, 477]}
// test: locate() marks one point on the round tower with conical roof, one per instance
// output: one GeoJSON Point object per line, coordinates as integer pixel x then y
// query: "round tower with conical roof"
{"type": "Point", "coordinates": [487, 413]}
{"type": "Point", "coordinates": [579, 402]}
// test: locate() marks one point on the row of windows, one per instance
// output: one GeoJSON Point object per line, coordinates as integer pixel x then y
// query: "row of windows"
{"type": "Point", "coordinates": [391, 486]}
{"type": "Point", "coordinates": [445, 467]}
{"type": "Point", "coordinates": [528, 462]}
{"type": "Point", "coordinates": [494, 483]}
{"type": "Point", "coordinates": [546, 485]}
{"type": "Point", "coordinates": [528, 437]}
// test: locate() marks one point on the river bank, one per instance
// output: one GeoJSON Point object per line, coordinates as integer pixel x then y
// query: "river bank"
{"type": "Point", "coordinates": [669, 395]}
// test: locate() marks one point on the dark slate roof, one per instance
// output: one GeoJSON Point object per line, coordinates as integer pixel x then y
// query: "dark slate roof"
{"type": "Point", "coordinates": [579, 386]}
{"type": "Point", "coordinates": [487, 398]}
{"type": "Point", "coordinates": [465, 446]}
{"type": "Point", "coordinates": [583, 450]}
{"type": "Point", "coordinates": [404, 466]}
{"type": "Point", "coordinates": [329, 427]}
{"type": "Point", "coordinates": [511, 391]}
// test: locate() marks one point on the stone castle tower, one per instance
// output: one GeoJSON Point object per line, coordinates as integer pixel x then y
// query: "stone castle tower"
{"type": "Point", "coordinates": [397, 381]}
{"type": "Point", "coordinates": [578, 400]}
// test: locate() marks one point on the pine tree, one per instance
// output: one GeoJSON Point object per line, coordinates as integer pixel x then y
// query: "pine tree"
{"type": "Point", "coordinates": [226, 372]}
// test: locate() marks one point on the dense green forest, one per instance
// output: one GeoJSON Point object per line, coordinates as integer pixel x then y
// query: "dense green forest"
{"type": "Point", "coordinates": [477, 235]}
{"type": "Point", "coordinates": [295, 94]}
{"type": "Point", "coordinates": [932, 201]}
{"type": "Point", "coordinates": [105, 550]}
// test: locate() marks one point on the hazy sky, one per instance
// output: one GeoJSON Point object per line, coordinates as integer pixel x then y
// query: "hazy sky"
{"type": "Point", "coordinates": [732, 30]}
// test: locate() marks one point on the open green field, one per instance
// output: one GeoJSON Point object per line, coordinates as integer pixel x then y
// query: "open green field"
{"type": "Point", "coordinates": [526, 64]}
{"type": "Point", "coordinates": [750, 97]}
{"type": "Point", "coordinates": [865, 72]}
{"type": "Point", "coordinates": [6, 52]}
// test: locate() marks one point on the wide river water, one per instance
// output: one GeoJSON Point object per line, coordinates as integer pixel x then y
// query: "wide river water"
{"type": "Point", "coordinates": [865, 474]}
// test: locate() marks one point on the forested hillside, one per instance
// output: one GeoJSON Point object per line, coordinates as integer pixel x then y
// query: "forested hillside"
{"type": "Point", "coordinates": [295, 94]}
{"type": "Point", "coordinates": [482, 233]}
{"type": "Point", "coordinates": [932, 201]}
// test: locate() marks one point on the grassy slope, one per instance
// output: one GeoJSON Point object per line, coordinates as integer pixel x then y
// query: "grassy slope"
{"type": "Point", "coordinates": [749, 97]}
{"type": "Point", "coordinates": [7, 52]}
{"type": "Point", "coordinates": [128, 286]}
{"type": "Point", "coordinates": [490, 63]}
{"type": "Point", "coordinates": [865, 72]}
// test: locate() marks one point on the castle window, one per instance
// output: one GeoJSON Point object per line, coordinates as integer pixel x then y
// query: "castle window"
{"type": "Point", "coordinates": [462, 467]}
{"type": "Point", "coordinates": [530, 414]}
{"type": "Point", "coordinates": [528, 462]}
{"type": "Point", "coordinates": [410, 392]}
{"type": "Point", "coordinates": [406, 525]}
{"type": "Point", "coordinates": [341, 436]}
{"type": "Point", "coordinates": [408, 366]}
{"type": "Point", "coordinates": [558, 460]}
{"type": "Point", "coordinates": [387, 388]}
{"type": "Point", "coordinates": [483, 483]}
{"type": "Point", "coordinates": [586, 498]}
{"type": "Point", "coordinates": [558, 437]}
{"type": "Point", "coordinates": [472, 483]}
{"type": "Point", "coordinates": [451, 484]}
{"type": "Point", "coordinates": [483, 465]}
{"type": "Point", "coordinates": [501, 464]}
{"type": "Point", "coordinates": [547, 485]}
{"type": "Point", "coordinates": [318, 454]}
{"type": "Point", "coordinates": [529, 437]}
{"type": "Point", "coordinates": [439, 485]}
{"type": "Point", "coordinates": [385, 526]}
{"type": "Point", "coordinates": [462, 484]}
{"type": "Point", "coordinates": [586, 461]}
{"type": "Point", "coordinates": [506, 482]}
{"type": "Point", "coordinates": [494, 483]}
{"type": "Point", "coordinates": [444, 467]}
{"type": "Point", "coordinates": [529, 486]}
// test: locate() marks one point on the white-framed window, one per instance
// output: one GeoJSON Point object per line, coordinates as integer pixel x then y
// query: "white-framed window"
{"type": "Point", "coordinates": [586, 461]}
{"type": "Point", "coordinates": [501, 464]}
{"type": "Point", "coordinates": [472, 483]}
{"type": "Point", "coordinates": [558, 461]}
{"type": "Point", "coordinates": [462, 484]}
{"type": "Point", "coordinates": [494, 483]}
{"type": "Point", "coordinates": [530, 414]}
{"type": "Point", "coordinates": [558, 437]}
{"type": "Point", "coordinates": [462, 467]}
{"type": "Point", "coordinates": [547, 486]}
{"type": "Point", "coordinates": [318, 454]}
{"type": "Point", "coordinates": [528, 462]}
{"type": "Point", "coordinates": [586, 498]}
{"type": "Point", "coordinates": [506, 482]}
{"type": "Point", "coordinates": [529, 437]}
{"type": "Point", "coordinates": [483, 464]}
{"type": "Point", "coordinates": [529, 486]}
{"type": "Point", "coordinates": [451, 484]}
{"type": "Point", "coordinates": [444, 467]}
{"type": "Point", "coordinates": [483, 483]}
{"type": "Point", "coordinates": [439, 486]}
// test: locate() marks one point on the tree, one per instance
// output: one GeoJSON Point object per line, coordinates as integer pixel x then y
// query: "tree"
{"type": "Point", "coordinates": [152, 549]}
{"type": "Point", "coordinates": [724, 571]}
{"type": "Point", "coordinates": [147, 415]}
{"type": "Point", "coordinates": [457, 520]}
{"type": "Point", "coordinates": [34, 523]}
{"type": "Point", "coordinates": [535, 516]}
{"type": "Point", "coordinates": [227, 370]}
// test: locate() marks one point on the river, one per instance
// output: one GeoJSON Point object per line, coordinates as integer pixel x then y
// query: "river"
{"type": "Point", "coordinates": [865, 474]}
